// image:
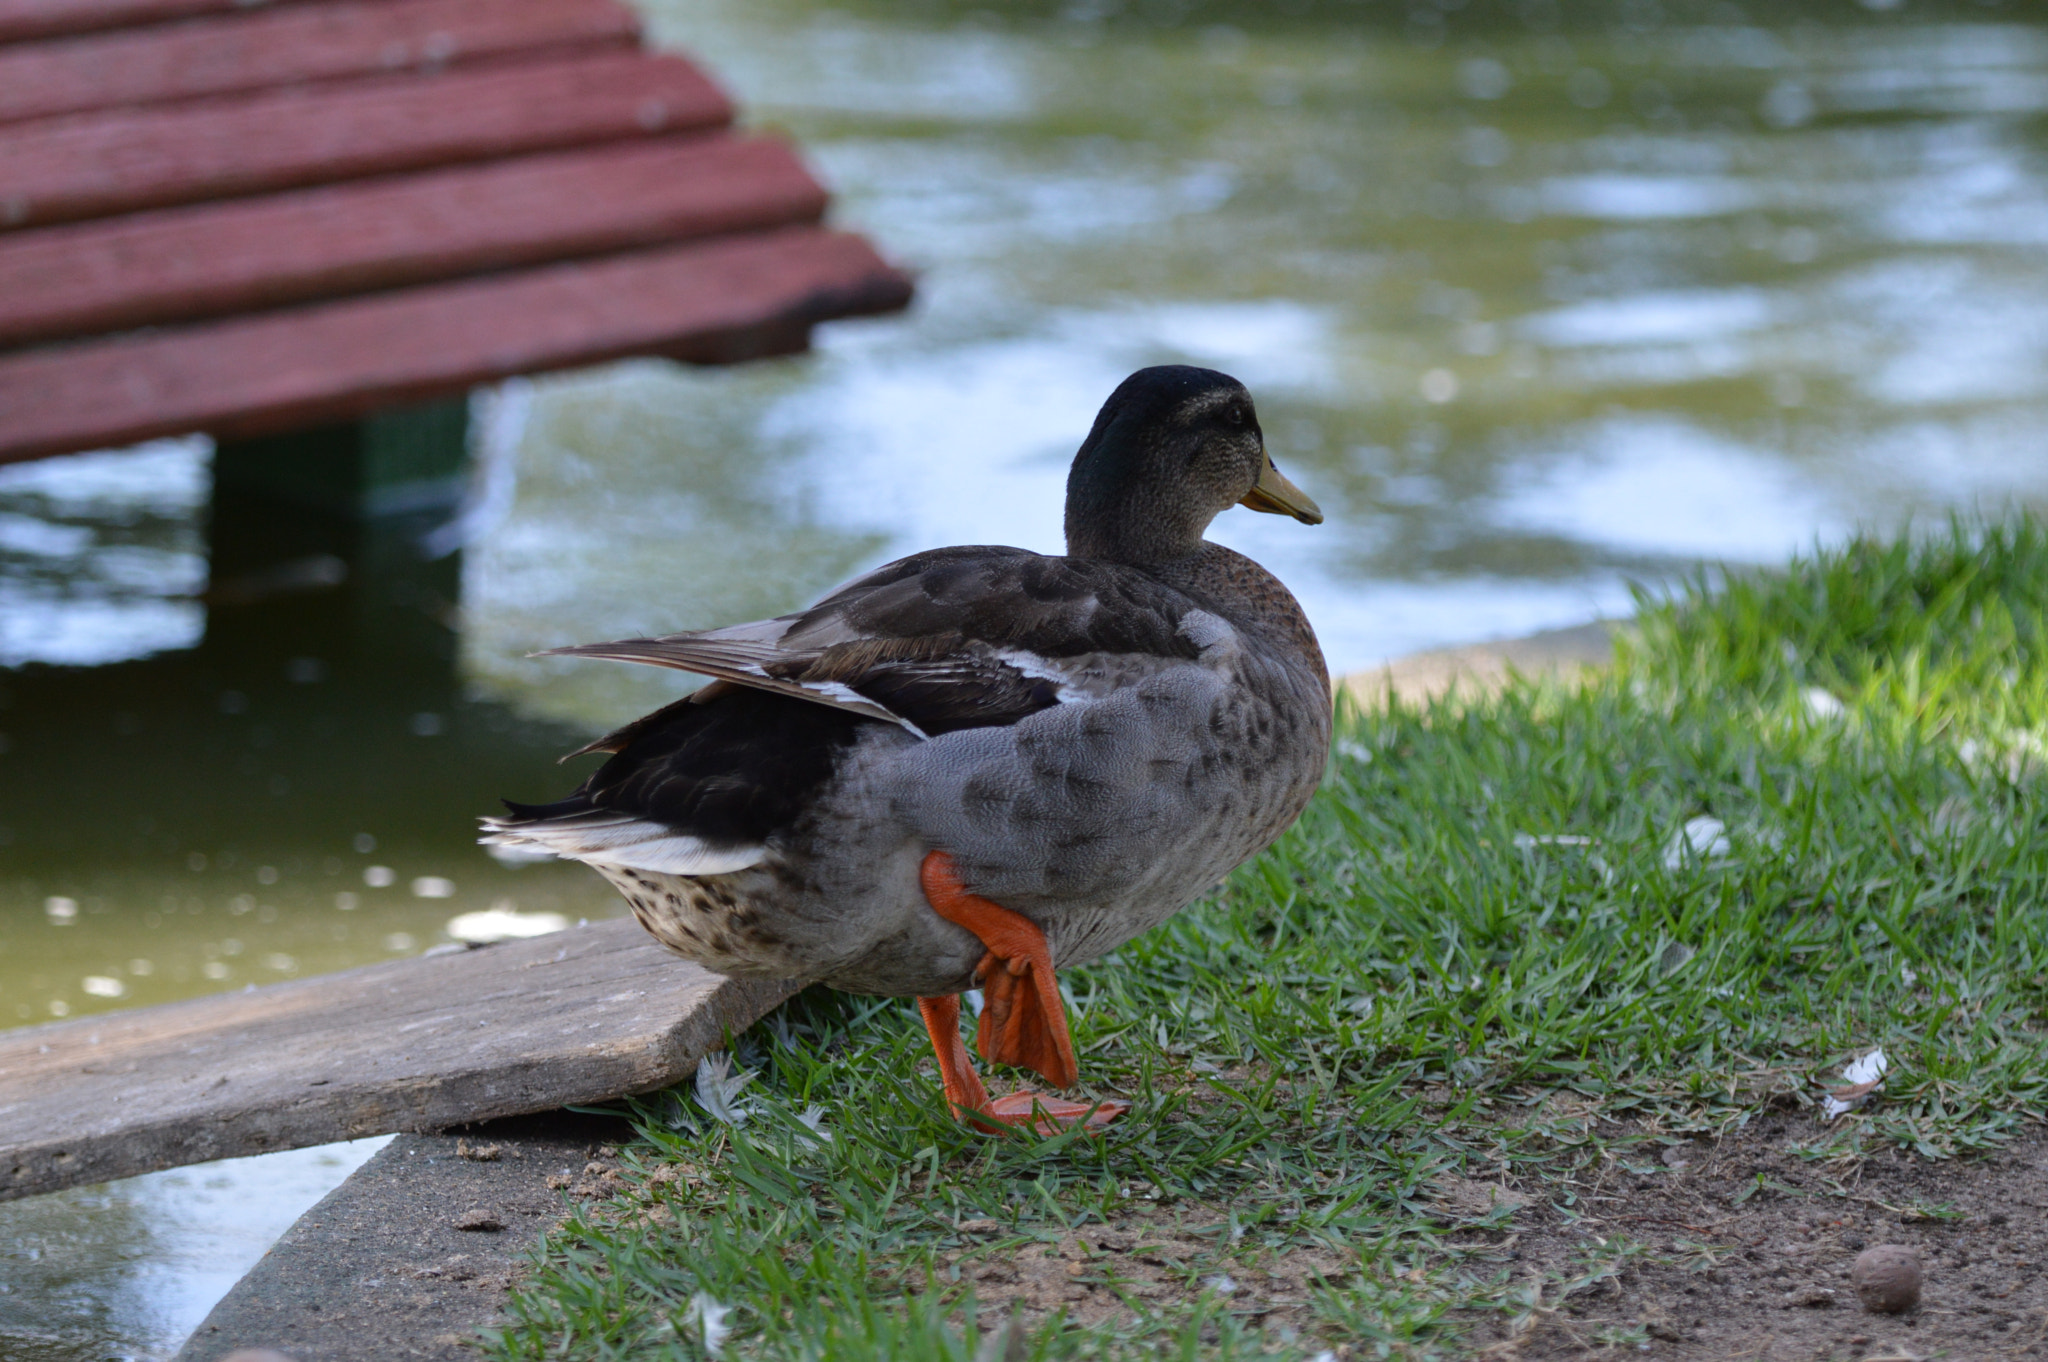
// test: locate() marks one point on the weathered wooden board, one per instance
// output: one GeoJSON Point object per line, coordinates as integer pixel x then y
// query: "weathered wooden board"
{"type": "Point", "coordinates": [253, 51]}
{"type": "Point", "coordinates": [182, 264]}
{"type": "Point", "coordinates": [92, 165]}
{"type": "Point", "coordinates": [22, 19]}
{"type": "Point", "coordinates": [420, 1044]}
{"type": "Point", "coordinates": [719, 301]}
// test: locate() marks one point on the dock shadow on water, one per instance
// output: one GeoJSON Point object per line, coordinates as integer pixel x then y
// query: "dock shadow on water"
{"type": "Point", "coordinates": [1534, 303]}
{"type": "Point", "coordinates": [295, 792]}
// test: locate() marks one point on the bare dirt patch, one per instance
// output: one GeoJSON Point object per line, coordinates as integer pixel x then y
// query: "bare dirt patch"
{"type": "Point", "coordinates": [1733, 1248]}
{"type": "Point", "coordinates": [1736, 1248]}
{"type": "Point", "coordinates": [1746, 1247]}
{"type": "Point", "coordinates": [1112, 1273]}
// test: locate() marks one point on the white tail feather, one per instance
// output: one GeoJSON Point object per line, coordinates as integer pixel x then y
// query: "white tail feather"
{"type": "Point", "coordinates": [630, 843]}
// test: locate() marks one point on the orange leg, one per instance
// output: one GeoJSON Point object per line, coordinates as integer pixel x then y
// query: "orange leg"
{"type": "Point", "coordinates": [956, 1070]}
{"type": "Point", "coordinates": [1023, 1021]}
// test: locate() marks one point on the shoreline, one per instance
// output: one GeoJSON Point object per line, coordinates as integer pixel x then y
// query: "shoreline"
{"type": "Point", "coordinates": [1483, 668]}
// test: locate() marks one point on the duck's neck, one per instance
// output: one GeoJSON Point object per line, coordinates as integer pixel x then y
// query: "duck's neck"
{"type": "Point", "coordinates": [1129, 531]}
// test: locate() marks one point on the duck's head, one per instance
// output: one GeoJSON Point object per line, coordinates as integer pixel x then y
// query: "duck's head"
{"type": "Point", "coordinates": [1172, 448]}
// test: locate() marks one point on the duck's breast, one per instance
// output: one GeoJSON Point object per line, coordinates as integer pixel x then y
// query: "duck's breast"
{"type": "Point", "coordinates": [1100, 819]}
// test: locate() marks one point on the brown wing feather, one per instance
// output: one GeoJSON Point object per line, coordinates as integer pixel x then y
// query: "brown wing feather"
{"type": "Point", "coordinates": [745, 667]}
{"type": "Point", "coordinates": [933, 642]}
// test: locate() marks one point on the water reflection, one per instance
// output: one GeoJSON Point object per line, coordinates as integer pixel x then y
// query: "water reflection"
{"type": "Point", "coordinates": [289, 796]}
{"type": "Point", "coordinates": [1534, 304]}
{"type": "Point", "coordinates": [101, 555]}
{"type": "Point", "coordinates": [1538, 306]}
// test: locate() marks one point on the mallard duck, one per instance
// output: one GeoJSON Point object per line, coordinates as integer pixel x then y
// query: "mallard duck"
{"type": "Point", "coordinates": [976, 765]}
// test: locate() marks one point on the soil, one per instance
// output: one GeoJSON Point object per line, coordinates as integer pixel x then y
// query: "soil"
{"type": "Point", "coordinates": [1740, 1249]}
{"type": "Point", "coordinates": [1750, 1246]}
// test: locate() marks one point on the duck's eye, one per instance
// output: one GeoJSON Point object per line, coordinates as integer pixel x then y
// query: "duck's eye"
{"type": "Point", "coordinates": [1233, 416]}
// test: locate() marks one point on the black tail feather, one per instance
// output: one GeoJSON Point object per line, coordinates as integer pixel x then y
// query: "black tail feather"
{"type": "Point", "coordinates": [735, 770]}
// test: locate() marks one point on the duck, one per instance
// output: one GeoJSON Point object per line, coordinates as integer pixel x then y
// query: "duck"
{"type": "Point", "coordinates": [978, 765]}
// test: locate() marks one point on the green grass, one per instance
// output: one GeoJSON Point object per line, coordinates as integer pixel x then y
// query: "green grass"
{"type": "Point", "coordinates": [1425, 978]}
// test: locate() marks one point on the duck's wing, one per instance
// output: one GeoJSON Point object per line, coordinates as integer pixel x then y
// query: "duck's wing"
{"type": "Point", "coordinates": [955, 638]}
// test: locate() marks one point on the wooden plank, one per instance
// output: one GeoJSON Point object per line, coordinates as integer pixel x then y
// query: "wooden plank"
{"type": "Point", "coordinates": [713, 302]}
{"type": "Point", "coordinates": [183, 264]}
{"type": "Point", "coordinates": [244, 52]}
{"type": "Point", "coordinates": [27, 19]}
{"type": "Point", "coordinates": [91, 165]}
{"type": "Point", "coordinates": [414, 1045]}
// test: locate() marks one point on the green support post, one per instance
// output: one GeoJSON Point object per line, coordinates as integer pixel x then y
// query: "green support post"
{"type": "Point", "coordinates": [316, 545]}
{"type": "Point", "coordinates": [403, 462]}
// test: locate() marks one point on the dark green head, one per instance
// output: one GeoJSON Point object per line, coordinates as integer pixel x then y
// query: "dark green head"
{"type": "Point", "coordinates": [1172, 448]}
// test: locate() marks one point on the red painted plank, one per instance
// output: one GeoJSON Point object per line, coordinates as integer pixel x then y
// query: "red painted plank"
{"type": "Point", "coordinates": [181, 264]}
{"type": "Point", "coordinates": [710, 302]}
{"type": "Point", "coordinates": [246, 52]}
{"type": "Point", "coordinates": [92, 165]}
{"type": "Point", "coordinates": [24, 19]}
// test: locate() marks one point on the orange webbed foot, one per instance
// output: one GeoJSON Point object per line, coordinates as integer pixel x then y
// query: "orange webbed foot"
{"type": "Point", "coordinates": [1018, 1024]}
{"type": "Point", "coordinates": [970, 1101]}
{"type": "Point", "coordinates": [1023, 1020]}
{"type": "Point", "coordinates": [1051, 1115]}
{"type": "Point", "coordinates": [956, 1070]}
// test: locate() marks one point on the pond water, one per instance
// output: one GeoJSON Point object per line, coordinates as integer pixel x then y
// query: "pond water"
{"type": "Point", "coordinates": [1535, 307]}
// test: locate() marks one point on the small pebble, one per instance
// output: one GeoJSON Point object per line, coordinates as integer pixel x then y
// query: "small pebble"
{"type": "Point", "coordinates": [1886, 1277]}
{"type": "Point", "coordinates": [479, 1221]}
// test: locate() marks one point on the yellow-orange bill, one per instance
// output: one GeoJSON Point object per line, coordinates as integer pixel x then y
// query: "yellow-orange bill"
{"type": "Point", "coordinates": [1275, 495]}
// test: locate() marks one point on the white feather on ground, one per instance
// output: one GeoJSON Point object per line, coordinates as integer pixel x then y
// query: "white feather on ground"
{"type": "Point", "coordinates": [719, 1088]}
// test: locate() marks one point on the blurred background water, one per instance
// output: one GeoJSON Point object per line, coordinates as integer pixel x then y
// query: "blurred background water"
{"type": "Point", "coordinates": [1537, 298]}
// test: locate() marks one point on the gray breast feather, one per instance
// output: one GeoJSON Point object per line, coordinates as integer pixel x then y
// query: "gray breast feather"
{"type": "Point", "coordinates": [1079, 801]}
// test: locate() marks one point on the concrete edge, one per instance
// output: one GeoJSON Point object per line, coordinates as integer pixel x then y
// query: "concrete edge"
{"type": "Point", "coordinates": [414, 1253]}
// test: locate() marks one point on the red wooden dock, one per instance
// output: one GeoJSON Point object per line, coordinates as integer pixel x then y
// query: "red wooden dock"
{"type": "Point", "coordinates": [247, 219]}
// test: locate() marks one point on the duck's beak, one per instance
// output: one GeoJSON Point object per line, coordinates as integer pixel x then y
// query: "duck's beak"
{"type": "Point", "coordinates": [1277, 496]}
